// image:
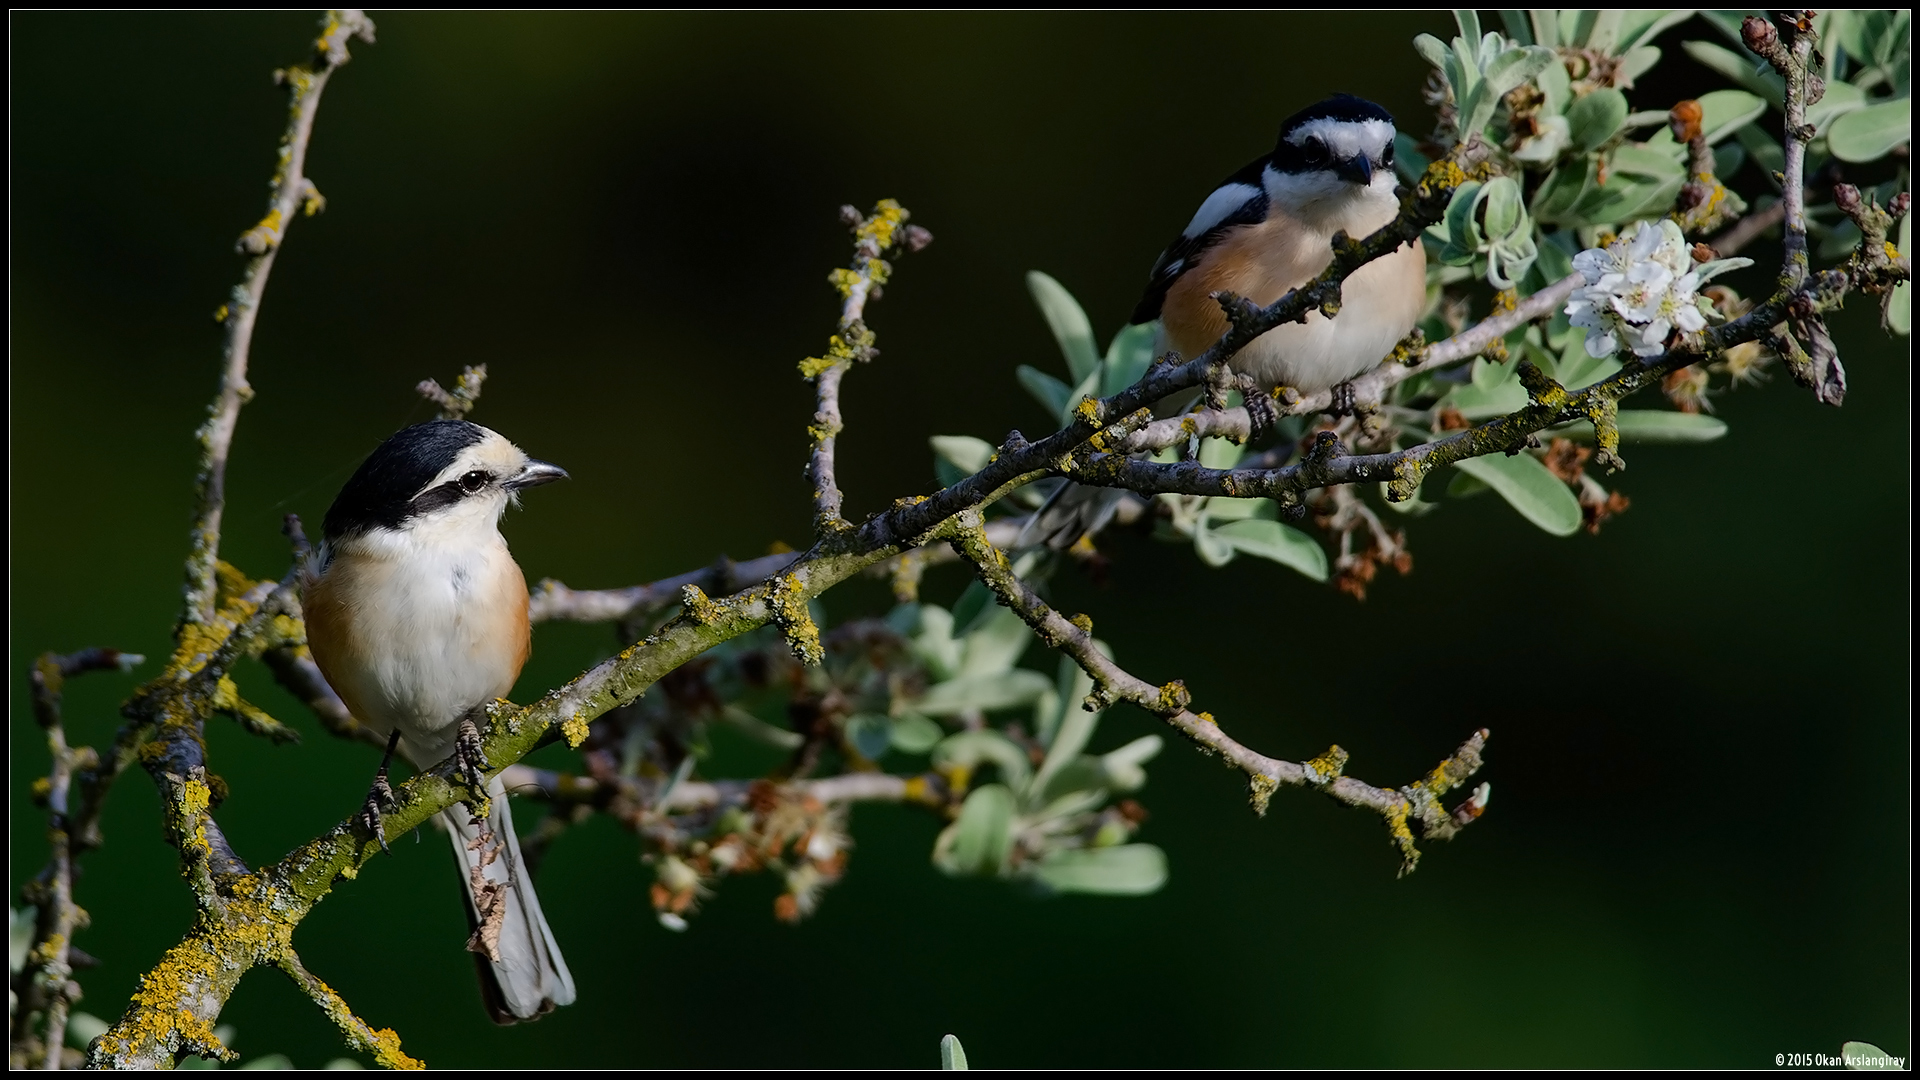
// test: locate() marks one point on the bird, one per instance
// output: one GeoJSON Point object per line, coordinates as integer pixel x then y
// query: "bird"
{"type": "Point", "coordinates": [1268, 229]}
{"type": "Point", "coordinates": [1263, 231]}
{"type": "Point", "coordinates": [416, 613]}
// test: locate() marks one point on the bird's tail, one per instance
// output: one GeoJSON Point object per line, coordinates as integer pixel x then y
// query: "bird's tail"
{"type": "Point", "coordinates": [1070, 512]}
{"type": "Point", "coordinates": [522, 975]}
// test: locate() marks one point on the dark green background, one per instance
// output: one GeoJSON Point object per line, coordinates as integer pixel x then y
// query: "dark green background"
{"type": "Point", "coordinates": [1698, 850]}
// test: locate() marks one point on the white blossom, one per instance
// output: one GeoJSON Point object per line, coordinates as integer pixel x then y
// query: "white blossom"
{"type": "Point", "coordinates": [1640, 288]}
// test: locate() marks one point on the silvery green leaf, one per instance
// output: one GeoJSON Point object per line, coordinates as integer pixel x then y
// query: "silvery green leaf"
{"type": "Point", "coordinates": [1723, 113]}
{"type": "Point", "coordinates": [1554, 261]}
{"type": "Point", "coordinates": [934, 643]}
{"type": "Point", "coordinates": [1070, 803]}
{"type": "Point", "coordinates": [1226, 509]}
{"type": "Point", "coordinates": [870, 734]}
{"type": "Point", "coordinates": [20, 923]}
{"type": "Point", "coordinates": [1727, 159]}
{"type": "Point", "coordinates": [1840, 240]}
{"type": "Point", "coordinates": [996, 642]}
{"type": "Point", "coordinates": [1595, 118]}
{"type": "Point", "coordinates": [1477, 404]}
{"type": "Point", "coordinates": [1509, 261]}
{"type": "Point", "coordinates": [1468, 20]}
{"type": "Point", "coordinates": [1052, 394]}
{"type": "Point", "coordinates": [1486, 375]}
{"type": "Point", "coordinates": [1661, 426]}
{"type": "Point", "coordinates": [1639, 27]}
{"type": "Point", "coordinates": [1220, 454]}
{"type": "Point", "coordinates": [1740, 69]}
{"type": "Point", "coordinates": [1649, 426]}
{"type": "Point", "coordinates": [970, 749]}
{"type": "Point", "coordinates": [1433, 51]}
{"type": "Point", "coordinates": [1213, 550]}
{"type": "Point", "coordinates": [1503, 213]}
{"type": "Point", "coordinates": [1713, 268]}
{"type": "Point", "coordinates": [1515, 66]}
{"type": "Point", "coordinates": [951, 1055]}
{"type": "Point", "coordinates": [1546, 27]}
{"type": "Point", "coordinates": [1124, 766]}
{"type": "Point", "coordinates": [1839, 100]}
{"type": "Point", "coordinates": [1556, 89]}
{"type": "Point", "coordinates": [83, 1028]}
{"type": "Point", "coordinates": [1603, 31]}
{"type": "Point", "coordinates": [979, 841]}
{"type": "Point", "coordinates": [915, 734]}
{"type": "Point", "coordinates": [1128, 357]}
{"type": "Point", "coordinates": [1463, 234]}
{"type": "Point", "coordinates": [1515, 23]}
{"type": "Point", "coordinates": [1578, 370]}
{"type": "Point", "coordinates": [1463, 486]}
{"type": "Point", "coordinates": [969, 454]}
{"type": "Point", "coordinates": [983, 692]}
{"type": "Point", "coordinates": [1074, 725]}
{"type": "Point", "coordinates": [1122, 870]}
{"type": "Point", "coordinates": [1282, 543]}
{"type": "Point", "coordinates": [1636, 62]}
{"type": "Point", "coordinates": [1476, 109]}
{"type": "Point", "coordinates": [1563, 188]}
{"type": "Point", "coordinates": [1540, 497]}
{"type": "Point", "coordinates": [1067, 321]}
{"type": "Point", "coordinates": [1870, 133]}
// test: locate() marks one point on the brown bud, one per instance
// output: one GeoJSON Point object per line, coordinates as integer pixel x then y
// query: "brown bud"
{"type": "Point", "coordinates": [1703, 253]}
{"type": "Point", "coordinates": [850, 216]}
{"type": "Point", "coordinates": [1898, 207]}
{"type": "Point", "coordinates": [917, 238]}
{"type": "Point", "coordinates": [1684, 120]}
{"type": "Point", "coordinates": [1760, 37]}
{"type": "Point", "coordinates": [1847, 198]}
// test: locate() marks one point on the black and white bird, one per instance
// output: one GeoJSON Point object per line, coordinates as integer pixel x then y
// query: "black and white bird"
{"type": "Point", "coordinates": [1263, 231]}
{"type": "Point", "coordinates": [1269, 228]}
{"type": "Point", "coordinates": [417, 615]}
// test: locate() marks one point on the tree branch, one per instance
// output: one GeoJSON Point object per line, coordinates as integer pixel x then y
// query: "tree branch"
{"type": "Point", "coordinates": [1074, 637]}
{"type": "Point", "coordinates": [292, 193]}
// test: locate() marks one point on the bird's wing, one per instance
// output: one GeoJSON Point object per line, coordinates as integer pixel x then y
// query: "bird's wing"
{"type": "Point", "coordinates": [1241, 199]}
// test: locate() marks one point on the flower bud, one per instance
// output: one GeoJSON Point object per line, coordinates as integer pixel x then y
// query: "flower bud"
{"type": "Point", "coordinates": [1684, 120]}
{"type": "Point", "coordinates": [1760, 36]}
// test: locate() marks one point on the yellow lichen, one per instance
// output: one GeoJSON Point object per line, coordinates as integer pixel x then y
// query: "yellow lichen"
{"type": "Point", "coordinates": [1260, 789]}
{"type": "Point", "coordinates": [574, 728]}
{"type": "Point", "coordinates": [1083, 622]}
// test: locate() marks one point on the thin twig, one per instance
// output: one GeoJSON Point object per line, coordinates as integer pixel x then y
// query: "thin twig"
{"type": "Point", "coordinates": [1112, 683]}
{"type": "Point", "coordinates": [44, 986]}
{"type": "Point", "coordinates": [292, 194]}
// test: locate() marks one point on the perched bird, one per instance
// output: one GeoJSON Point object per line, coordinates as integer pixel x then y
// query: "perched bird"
{"type": "Point", "coordinates": [1269, 228]}
{"type": "Point", "coordinates": [417, 615]}
{"type": "Point", "coordinates": [1263, 231]}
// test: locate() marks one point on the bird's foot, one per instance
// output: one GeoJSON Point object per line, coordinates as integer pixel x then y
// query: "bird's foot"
{"type": "Point", "coordinates": [1343, 399]}
{"type": "Point", "coordinates": [380, 798]}
{"type": "Point", "coordinates": [1261, 414]}
{"type": "Point", "coordinates": [469, 761]}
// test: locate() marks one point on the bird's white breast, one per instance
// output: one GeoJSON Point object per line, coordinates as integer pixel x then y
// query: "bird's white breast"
{"type": "Point", "coordinates": [1379, 303]}
{"type": "Point", "coordinates": [414, 628]}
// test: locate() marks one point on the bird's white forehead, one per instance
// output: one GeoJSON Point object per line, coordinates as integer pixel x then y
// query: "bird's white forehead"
{"type": "Point", "coordinates": [1346, 138]}
{"type": "Point", "coordinates": [493, 454]}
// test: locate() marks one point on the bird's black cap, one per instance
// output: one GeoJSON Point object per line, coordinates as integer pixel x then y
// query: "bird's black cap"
{"type": "Point", "coordinates": [380, 492]}
{"type": "Point", "coordinates": [1337, 107]}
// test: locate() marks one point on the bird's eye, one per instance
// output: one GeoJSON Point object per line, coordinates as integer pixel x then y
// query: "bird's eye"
{"type": "Point", "coordinates": [474, 481]}
{"type": "Point", "coordinates": [1314, 150]}
{"type": "Point", "coordinates": [1386, 156]}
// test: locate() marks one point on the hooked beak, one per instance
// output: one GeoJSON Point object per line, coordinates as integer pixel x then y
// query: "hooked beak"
{"type": "Point", "coordinates": [534, 474]}
{"type": "Point", "coordinates": [1358, 169]}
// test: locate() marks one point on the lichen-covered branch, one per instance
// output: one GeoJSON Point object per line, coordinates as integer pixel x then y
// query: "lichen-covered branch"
{"type": "Point", "coordinates": [293, 194]}
{"type": "Point", "coordinates": [44, 987]}
{"type": "Point", "coordinates": [873, 237]}
{"type": "Point", "coordinates": [456, 403]}
{"type": "Point", "coordinates": [1419, 801]}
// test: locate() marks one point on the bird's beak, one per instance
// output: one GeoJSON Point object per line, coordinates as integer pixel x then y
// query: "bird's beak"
{"type": "Point", "coordinates": [1357, 168]}
{"type": "Point", "coordinates": [535, 473]}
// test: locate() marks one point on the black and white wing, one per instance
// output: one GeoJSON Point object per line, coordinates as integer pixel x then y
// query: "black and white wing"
{"type": "Point", "coordinates": [1241, 199]}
